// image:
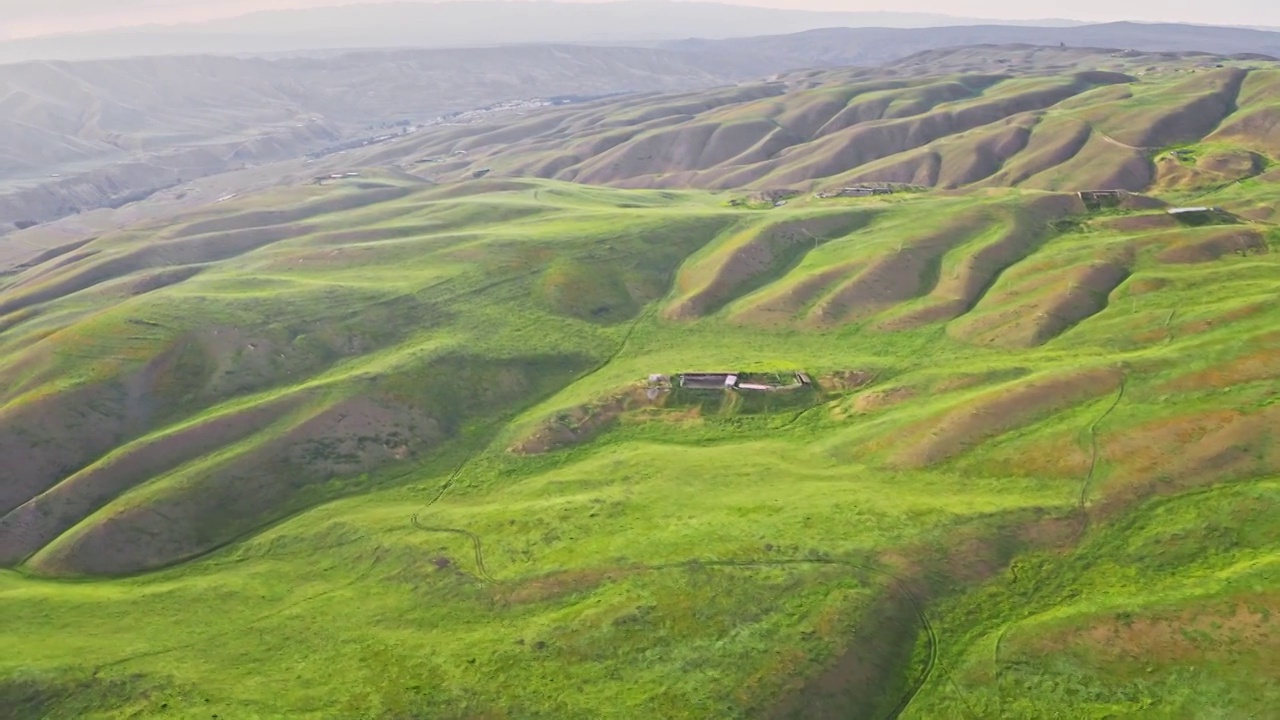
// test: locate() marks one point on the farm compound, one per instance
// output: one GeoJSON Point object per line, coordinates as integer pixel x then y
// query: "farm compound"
{"type": "Point", "coordinates": [859, 191]}
{"type": "Point", "coordinates": [1099, 199]}
{"type": "Point", "coordinates": [1202, 215]}
{"type": "Point", "coordinates": [737, 381]}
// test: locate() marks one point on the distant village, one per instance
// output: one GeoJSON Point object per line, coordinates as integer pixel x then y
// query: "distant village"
{"type": "Point", "coordinates": [518, 107]}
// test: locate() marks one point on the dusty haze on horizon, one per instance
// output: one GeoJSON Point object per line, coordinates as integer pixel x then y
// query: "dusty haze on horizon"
{"type": "Point", "coordinates": [24, 18]}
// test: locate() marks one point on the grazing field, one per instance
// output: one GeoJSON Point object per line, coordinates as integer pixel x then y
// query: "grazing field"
{"type": "Point", "coordinates": [383, 448]}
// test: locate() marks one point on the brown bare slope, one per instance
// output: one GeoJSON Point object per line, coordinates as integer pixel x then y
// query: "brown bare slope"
{"type": "Point", "coordinates": [40, 520]}
{"type": "Point", "coordinates": [1212, 244]}
{"type": "Point", "coordinates": [895, 276]}
{"type": "Point", "coordinates": [195, 500]}
{"type": "Point", "coordinates": [998, 411]}
{"type": "Point", "coordinates": [1257, 125]}
{"type": "Point", "coordinates": [1185, 111]}
{"type": "Point", "coordinates": [218, 500]}
{"type": "Point", "coordinates": [1078, 130]}
{"type": "Point", "coordinates": [873, 141]}
{"type": "Point", "coordinates": [48, 435]}
{"type": "Point", "coordinates": [953, 161]}
{"type": "Point", "coordinates": [1033, 309]}
{"type": "Point", "coordinates": [958, 290]}
{"type": "Point", "coordinates": [752, 259]}
{"type": "Point", "coordinates": [194, 243]}
{"type": "Point", "coordinates": [780, 305]}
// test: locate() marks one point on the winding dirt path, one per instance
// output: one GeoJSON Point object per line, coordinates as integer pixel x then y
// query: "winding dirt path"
{"type": "Point", "coordinates": [1093, 129]}
{"type": "Point", "coordinates": [899, 585]}
{"type": "Point", "coordinates": [1093, 447]}
{"type": "Point", "coordinates": [1083, 512]}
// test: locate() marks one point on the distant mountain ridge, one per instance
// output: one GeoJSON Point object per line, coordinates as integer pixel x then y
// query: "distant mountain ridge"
{"type": "Point", "coordinates": [839, 47]}
{"type": "Point", "coordinates": [164, 121]}
{"type": "Point", "coordinates": [1013, 116]}
{"type": "Point", "coordinates": [158, 122]}
{"type": "Point", "coordinates": [795, 39]}
{"type": "Point", "coordinates": [462, 24]}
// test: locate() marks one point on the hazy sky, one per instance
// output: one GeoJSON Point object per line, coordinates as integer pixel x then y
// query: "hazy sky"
{"type": "Point", "coordinates": [23, 18]}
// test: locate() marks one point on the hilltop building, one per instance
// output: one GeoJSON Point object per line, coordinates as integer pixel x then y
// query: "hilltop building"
{"type": "Point", "coordinates": [857, 191]}
{"type": "Point", "coordinates": [736, 381]}
{"type": "Point", "coordinates": [1196, 216]}
{"type": "Point", "coordinates": [1099, 199]}
{"type": "Point", "coordinates": [708, 381]}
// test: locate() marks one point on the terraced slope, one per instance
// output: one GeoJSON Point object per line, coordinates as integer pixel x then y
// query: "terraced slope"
{"type": "Point", "coordinates": [362, 447]}
{"type": "Point", "coordinates": [1021, 118]}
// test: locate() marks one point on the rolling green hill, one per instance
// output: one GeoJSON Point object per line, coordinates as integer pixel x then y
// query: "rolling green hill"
{"type": "Point", "coordinates": [1034, 118]}
{"type": "Point", "coordinates": [384, 448]}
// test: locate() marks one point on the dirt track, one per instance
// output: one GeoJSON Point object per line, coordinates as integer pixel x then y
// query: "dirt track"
{"type": "Point", "coordinates": [1082, 511]}
{"type": "Point", "coordinates": [899, 585]}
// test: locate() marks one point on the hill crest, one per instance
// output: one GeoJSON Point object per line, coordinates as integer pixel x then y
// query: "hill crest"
{"type": "Point", "coordinates": [1021, 116]}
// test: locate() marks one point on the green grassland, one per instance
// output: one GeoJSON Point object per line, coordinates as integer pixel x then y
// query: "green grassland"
{"type": "Point", "coordinates": [276, 463]}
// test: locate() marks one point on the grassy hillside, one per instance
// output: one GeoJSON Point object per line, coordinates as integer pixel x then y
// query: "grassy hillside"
{"type": "Point", "coordinates": [362, 448]}
{"type": "Point", "coordinates": [1034, 118]}
{"type": "Point", "coordinates": [381, 447]}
